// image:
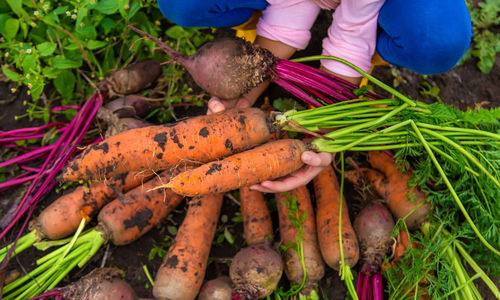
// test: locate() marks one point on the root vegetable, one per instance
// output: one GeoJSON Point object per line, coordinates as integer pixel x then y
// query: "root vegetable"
{"type": "Point", "coordinates": [327, 192]}
{"type": "Point", "coordinates": [257, 223]}
{"type": "Point", "coordinates": [265, 162]}
{"type": "Point", "coordinates": [219, 288]}
{"type": "Point", "coordinates": [373, 226]}
{"type": "Point", "coordinates": [130, 106]}
{"type": "Point", "coordinates": [226, 68]}
{"type": "Point", "coordinates": [100, 284]}
{"type": "Point", "coordinates": [183, 269]}
{"type": "Point", "coordinates": [133, 78]}
{"type": "Point", "coordinates": [130, 216]}
{"type": "Point", "coordinates": [289, 232]}
{"type": "Point", "coordinates": [392, 185]}
{"type": "Point", "coordinates": [239, 66]}
{"type": "Point", "coordinates": [199, 139]}
{"type": "Point", "coordinates": [122, 221]}
{"type": "Point", "coordinates": [255, 272]}
{"type": "Point", "coordinates": [400, 199]}
{"type": "Point", "coordinates": [62, 217]}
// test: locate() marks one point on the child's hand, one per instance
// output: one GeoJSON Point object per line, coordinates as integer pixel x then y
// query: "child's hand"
{"type": "Point", "coordinates": [216, 105]}
{"type": "Point", "coordinates": [315, 162]}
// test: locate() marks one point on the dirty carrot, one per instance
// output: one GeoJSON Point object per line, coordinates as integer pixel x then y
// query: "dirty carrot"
{"type": "Point", "coordinates": [257, 223]}
{"type": "Point", "coordinates": [327, 192]}
{"type": "Point", "coordinates": [199, 139]}
{"type": "Point", "coordinates": [265, 162]}
{"type": "Point", "coordinates": [63, 216]}
{"type": "Point", "coordinates": [304, 266]}
{"type": "Point", "coordinates": [183, 269]}
{"type": "Point", "coordinates": [390, 183]}
{"type": "Point", "coordinates": [121, 221]}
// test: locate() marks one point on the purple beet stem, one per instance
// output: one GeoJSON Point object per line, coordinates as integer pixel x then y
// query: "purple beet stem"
{"type": "Point", "coordinates": [63, 149]}
{"type": "Point", "coordinates": [378, 290]}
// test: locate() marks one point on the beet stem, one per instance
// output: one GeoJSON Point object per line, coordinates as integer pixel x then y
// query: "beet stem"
{"type": "Point", "coordinates": [377, 287]}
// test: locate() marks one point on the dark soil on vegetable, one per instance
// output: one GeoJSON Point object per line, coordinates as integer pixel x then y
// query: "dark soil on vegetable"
{"type": "Point", "coordinates": [464, 87]}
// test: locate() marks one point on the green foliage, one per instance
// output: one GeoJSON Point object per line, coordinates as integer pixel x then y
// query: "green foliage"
{"type": "Point", "coordinates": [485, 42]}
{"type": "Point", "coordinates": [64, 43]}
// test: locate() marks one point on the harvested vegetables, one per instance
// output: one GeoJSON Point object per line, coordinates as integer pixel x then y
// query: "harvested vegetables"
{"type": "Point", "coordinates": [255, 270]}
{"type": "Point", "coordinates": [373, 226]}
{"type": "Point", "coordinates": [199, 139]}
{"type": "Point", "coordinates": [121, 221]}
{"type": "Point", "coordinates": [181, 274]}
{"type": "Point", "coordinates": [304, 266]}
{"type": "Point", "coordinates": [63, 216]}
{"type": "Point", "coordinates": [100, 284]}
{"type": "Point", "coordinates": [328, 211]}
{"type": "Point", "coordinates": [257, 223]}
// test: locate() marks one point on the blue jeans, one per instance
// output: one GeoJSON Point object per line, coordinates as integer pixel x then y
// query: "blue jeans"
{"type": "Point", "coordinates": [426, 36]}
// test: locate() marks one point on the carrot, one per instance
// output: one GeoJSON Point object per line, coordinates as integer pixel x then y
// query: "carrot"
{"type": "Point", "coordinates": [392, 185]}
{"type": "Point", "coordinates": [122, 221]}
{"type": "Point", "coordinates": [401, 200]}
{"type": "Point", "coordinates": [289, 232]}
{"type": "Point", "coordinates": [265, 162]}
{"type": "Point", "coordinates": [62, 217]}
{"type": "Point", "coordinates": [183, 269]}
{"type": "Point", "coordinates": [199, 139]}
{"type": "Point", "coordinates": [257, 223]}
{"type": "Point", "coordinates": [132, 215]}
{"type": "Point", "coordinates": [327, 192]}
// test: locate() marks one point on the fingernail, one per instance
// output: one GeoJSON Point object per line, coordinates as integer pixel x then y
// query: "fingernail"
{"type": "Point", "coordinates": [307, 157]}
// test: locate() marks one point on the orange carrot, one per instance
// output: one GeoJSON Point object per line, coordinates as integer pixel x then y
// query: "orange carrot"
{"type": "Point", "coordinates": [401, 200]}
{"type": "Point", "coordinates": [314, 265]}
{"type": "Point", "coordinates": [62, 217]}
{"type": "Point", "coordinates": [257, 223]}
{"type": "Point", "coordinates": [265, 162]}
{"type": "Point", "coordinates": [327, 191]}
{"type": "Point", "coordinates": [200, 139]}
{"type": "Point", "coordinates": [135, 213]}
{"type": "Point", "coordinates": [183, 269]}
{"type": "Point", "coordinates": [394, 190]}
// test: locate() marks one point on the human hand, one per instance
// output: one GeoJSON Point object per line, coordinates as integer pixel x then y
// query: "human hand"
{"type": "Point", "coordinates": [216, 105]}
{"type": "Point", "coordinates": [315, 162]}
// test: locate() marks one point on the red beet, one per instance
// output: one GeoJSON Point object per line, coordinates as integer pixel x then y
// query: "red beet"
{"type": "Point", "coordinates": [219, 288]}
{"type": "Point", "coordinates": [226, 68]}
{"type": "Point", "coordinates": [255, 272]}
{"type": "Point", "coordinates": [133, 78]}
{"type": "Point", "coordinates": [374, 225]}
{"type": "Point", "coordinates": [131, 106]}
{"type": "Point", "coordinates": [100, 284]}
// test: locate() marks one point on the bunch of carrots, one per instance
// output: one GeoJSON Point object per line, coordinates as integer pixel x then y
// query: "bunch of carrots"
{"type": "Point", "coordinates": [233, 149]}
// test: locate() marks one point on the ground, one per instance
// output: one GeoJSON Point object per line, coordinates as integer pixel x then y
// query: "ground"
{"type": "Point", "coordinates": [464, 87]}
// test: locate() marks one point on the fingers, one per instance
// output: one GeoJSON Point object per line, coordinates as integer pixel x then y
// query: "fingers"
{"type": "Point", "coordinates": [314, 159]}
{"type": "Point", "coordinates": [315, 162]}
{"type": "Point", "coordinates": [215, 105]}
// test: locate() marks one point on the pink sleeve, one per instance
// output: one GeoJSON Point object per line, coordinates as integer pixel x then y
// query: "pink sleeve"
{"type": "Point", "coordinates": [352, 35]}
{"type": "Point", "coordinates": [288, 21]}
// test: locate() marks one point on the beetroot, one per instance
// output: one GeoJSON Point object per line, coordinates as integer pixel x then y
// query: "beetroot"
{"type": "Point", "coordinates": [219, 288]}
{"type": "Point", "coordinates": [226, 68]}
{"type": "Point", "coordinates": [373, 226]}
{"type": "Point", "coordinates": [255, 272]}
{"type": "Point", "coordinates": [131, 106]}
{"type": "Point", "coordinates": [133, 78]}
{"type": "Point", "coordinates": [100, 284]}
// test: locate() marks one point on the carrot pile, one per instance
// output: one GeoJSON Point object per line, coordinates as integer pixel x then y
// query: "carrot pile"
{"type": "Point", "coordinates": [452, 190]}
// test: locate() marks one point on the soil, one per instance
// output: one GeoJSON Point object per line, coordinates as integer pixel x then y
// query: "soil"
{"type": "Point", "coordinates": [464, 87]}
